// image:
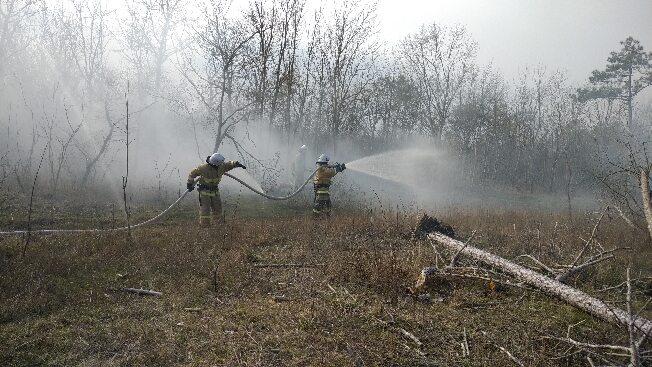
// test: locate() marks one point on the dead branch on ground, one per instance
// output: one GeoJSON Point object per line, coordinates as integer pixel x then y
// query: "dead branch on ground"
{"type": "Point", "coordinates": [544, 283]}
{"type": "Point", "coordinates": [510, 355]}
{"type": "Point", "coordinates": [563, 272]}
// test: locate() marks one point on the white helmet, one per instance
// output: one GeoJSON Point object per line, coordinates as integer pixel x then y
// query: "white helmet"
{"type": "Point", "coordinates": [323, 159]}
{"type": "Point", "coordinates": [216, 159]}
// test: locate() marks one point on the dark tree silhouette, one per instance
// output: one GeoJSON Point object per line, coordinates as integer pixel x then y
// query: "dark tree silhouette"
{"type": "Point", "coordinates": [628, 72]}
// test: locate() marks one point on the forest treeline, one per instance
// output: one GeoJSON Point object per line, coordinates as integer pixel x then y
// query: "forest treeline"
{"type": "Point", "coordinates": [318, 76]}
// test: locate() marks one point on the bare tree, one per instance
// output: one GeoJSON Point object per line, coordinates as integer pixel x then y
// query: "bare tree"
{"type": "Point", "coordinates": [59, 142]}
{"type": "Point", "coordinates": [79, 35]}
{"type": "Point", "coordinates": [348, 50]}
{"type": "Point", "coordinates": [262, 19]}
{"type": "Point", "coordinates": [624, 181]}
{"type": "Point", "coordinates": [93, 158]}
{"type": "Point", "coordinates": [439, 59]}
{"type": "Point", "coordinates": [273, 58]}
{"type": "Point", "coordinates": [213, 69]}
{"type": "Point", "coordinates": [14, 17]}
{"type": "Point", "coordinates": [90, 40]}
{"type": "Point", "coordinates": [148, 36]}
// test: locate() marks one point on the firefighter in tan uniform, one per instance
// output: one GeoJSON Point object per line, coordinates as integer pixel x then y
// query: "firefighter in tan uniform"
{"type": "Point", "coordinates": [210, 174]}
{"type": "Point", "coordinates": [322, 183]}
{"type": "Point", "coordinates": [299, 167]}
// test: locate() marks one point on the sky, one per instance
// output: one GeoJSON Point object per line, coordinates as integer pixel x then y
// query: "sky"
{"type": "Point", "coordinates": [574, 36]}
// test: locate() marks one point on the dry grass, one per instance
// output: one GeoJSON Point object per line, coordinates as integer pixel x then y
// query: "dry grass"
{"type": "Point", "coordinates": [57, 306]}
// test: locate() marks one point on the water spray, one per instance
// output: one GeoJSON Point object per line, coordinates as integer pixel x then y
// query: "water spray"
{"type": "Point", "coordinates": [407, 166]}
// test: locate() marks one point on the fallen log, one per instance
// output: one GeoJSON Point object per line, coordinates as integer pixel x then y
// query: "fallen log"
{"type": "Point", "coordinates": [546, 284]}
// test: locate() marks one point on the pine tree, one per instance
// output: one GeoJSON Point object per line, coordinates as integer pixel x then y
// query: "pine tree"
{"type": "Point", "coordinates": [628, 72]}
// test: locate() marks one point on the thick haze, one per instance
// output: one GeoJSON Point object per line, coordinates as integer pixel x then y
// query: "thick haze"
{"type": "Point", "coordinates": [496, 92]}
{"type": "Point", "coordinates": [573, 36]}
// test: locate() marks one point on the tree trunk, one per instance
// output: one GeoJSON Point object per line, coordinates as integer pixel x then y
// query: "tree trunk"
{"type": "Point", "coordinates": [107, 140]}
{"type": "Point", "coordinates": [645, 194]}
{"type": "Point", "coordinates": [629, 98]}
{"type": "Point", "coordinates": [548, 285]}
{"type": "Point", "coordinates": [161, 54]}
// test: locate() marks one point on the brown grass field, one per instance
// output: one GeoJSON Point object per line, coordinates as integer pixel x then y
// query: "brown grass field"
{"type": "Point", "coordinates": [60, 304]}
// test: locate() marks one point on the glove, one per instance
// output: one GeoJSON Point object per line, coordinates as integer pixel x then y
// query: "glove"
{"type": "Point", "coordinates": [190, 186]}
{"type": "Point", "coordinates": [342, 166]}
{"type": "Point", "coordinates": [238, 164]}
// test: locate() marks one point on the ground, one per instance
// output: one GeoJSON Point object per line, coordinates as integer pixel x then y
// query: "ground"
{"type": "Point", "coordinates": [61, 303]}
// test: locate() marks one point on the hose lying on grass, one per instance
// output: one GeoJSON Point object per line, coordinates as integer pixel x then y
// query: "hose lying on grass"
{"type": "Point", "coordinates": [46, 231]}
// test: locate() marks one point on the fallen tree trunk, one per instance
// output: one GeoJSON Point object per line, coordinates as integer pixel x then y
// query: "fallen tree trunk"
{"type": "Point", "coordinates": [546, 284]}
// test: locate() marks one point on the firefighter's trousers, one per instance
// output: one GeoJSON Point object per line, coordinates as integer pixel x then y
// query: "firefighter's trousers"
{"type": "Point", "coordinates": [322, 202]}
{"type": "Point", "coordinates": [210, 207]}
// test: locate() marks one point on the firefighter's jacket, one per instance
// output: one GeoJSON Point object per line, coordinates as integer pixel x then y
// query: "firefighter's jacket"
{"type": "Point", "coordinates": [209, 175]}
{"type": "Point", "coordinates": [323, 175]}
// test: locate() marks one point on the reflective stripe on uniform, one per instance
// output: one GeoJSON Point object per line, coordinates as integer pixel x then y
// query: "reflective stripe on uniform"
{"type": "Point", "coordinates": [208, 193]}
{"type": "Point", "coordinates": [211, 180]}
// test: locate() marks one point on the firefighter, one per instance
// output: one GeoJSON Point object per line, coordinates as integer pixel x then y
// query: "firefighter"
{"type": "Point", "coordinates": [210, 174]}
{"type": "Point", "coordinates": [299, 167]}
{"type": "Point", "coordinates": [322, 183]}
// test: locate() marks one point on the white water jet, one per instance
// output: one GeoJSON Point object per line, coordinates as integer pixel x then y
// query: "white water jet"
{"type": "Point", "coordinates": [415, 167]}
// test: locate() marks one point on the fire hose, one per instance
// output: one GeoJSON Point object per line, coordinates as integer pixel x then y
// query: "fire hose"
{"type": "Point", "coordinates": [270, 196]}
{"type": "Point", "coordinates": [45, 231]}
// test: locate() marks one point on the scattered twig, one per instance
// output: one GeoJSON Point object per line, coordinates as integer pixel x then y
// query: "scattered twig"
{"type": "Point", "coordinates": [635, 358]}
{"type": "Point", "coordinates": [297, 265]}
{"type": "Point", "coordinates": [626, 219]}
{"type": "Point", "coordinates": [410, 336]}
{"type": "Point", "coordinates": [588, 358]}
{"type": "Point", "coordinates": [281, 298]}
{"type": "Point", "coordinates": [605, 255]}
{"type": "Point", "coordinates": [590, 240]}
{"type": "Point", "coordinates": [539, 263]}
{"type": "Point", "coordinates": [466, 344]}
{"type": "Point", "coordinates": [568, 330]}
{"type": "Point", "coordinates": [510, 355]}
{"type": "Point", "coordinates": [470, 273]}
{"type": "Point", "coordinates": [457, 254]}
{"type": "Point", "coordinates": [615, 348]}
{"type": "Point", "coordinates": [142, 292]}
{"type": "Point", "coordinates": [402, 331]}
